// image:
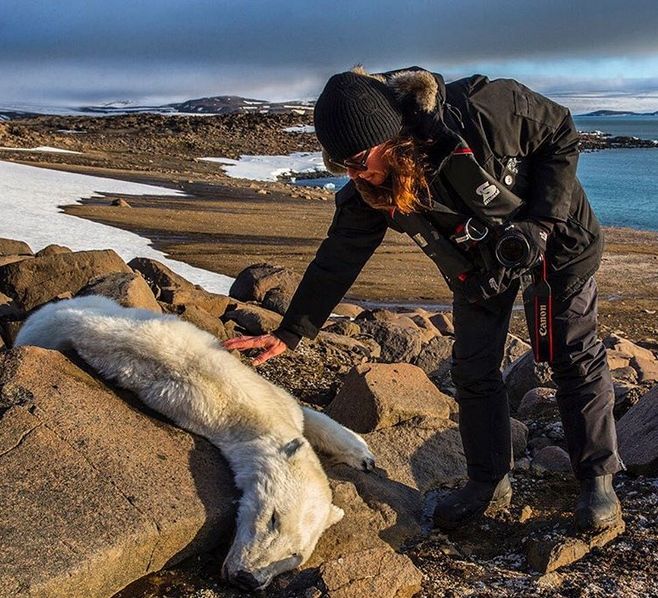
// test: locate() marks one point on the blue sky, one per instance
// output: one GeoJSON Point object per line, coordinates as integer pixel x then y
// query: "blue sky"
{"type": "Point", "coordinates": [586, 54]}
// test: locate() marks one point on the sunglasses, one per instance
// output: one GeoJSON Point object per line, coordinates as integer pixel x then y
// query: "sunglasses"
{"type": "Point", "coordinates": [357, 162]}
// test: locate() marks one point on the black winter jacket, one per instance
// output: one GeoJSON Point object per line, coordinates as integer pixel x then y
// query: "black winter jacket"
{"type": "Point", "coordinates": [520, 137]}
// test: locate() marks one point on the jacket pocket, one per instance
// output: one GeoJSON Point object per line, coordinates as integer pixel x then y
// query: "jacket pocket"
{"type": "Point", "coordinates": [538, 108]}
{"type": "Point", "coordinates": [568, 242]}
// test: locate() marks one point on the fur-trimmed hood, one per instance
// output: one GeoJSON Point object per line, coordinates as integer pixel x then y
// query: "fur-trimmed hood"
{"type": "Point", "coordinates": [412, 87]}
{"type": "Point", "coordinates": [415, 89]}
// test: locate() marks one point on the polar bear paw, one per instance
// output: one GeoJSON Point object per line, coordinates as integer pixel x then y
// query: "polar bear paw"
{"type": "Point", "coordinates": [356, 454]}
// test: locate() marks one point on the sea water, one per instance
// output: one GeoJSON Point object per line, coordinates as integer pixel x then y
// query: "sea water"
{"type": "Point", "coordinates": [644, 127]}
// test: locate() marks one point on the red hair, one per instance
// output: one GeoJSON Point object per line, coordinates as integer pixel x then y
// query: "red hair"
{"type": "Point", "coordinates": [406, 186]}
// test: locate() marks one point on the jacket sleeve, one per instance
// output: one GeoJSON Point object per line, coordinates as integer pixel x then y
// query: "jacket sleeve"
{"type": "Point", "coordinates": [356, 231]}
{"type": "Point", "coordinates": [552, 144]}
{"type": "Point", "coordinates": [553, 172]}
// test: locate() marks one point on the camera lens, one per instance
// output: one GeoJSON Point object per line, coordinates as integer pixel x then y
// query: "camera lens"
{"type": "Point", "coordinates": [512, 250]}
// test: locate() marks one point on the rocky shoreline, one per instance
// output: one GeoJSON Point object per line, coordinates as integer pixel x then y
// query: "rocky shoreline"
{"type": "Point", "coordinates": [226, 225]}
{"type": "Point", "coordinates": [189, 137]}
{"type": "Point", "coordinates": [57, 420]}
{"type": "Point", "coordinates": [599, 140]}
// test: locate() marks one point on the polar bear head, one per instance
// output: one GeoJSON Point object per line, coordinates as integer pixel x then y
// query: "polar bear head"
{"type": "Point", "coordinates": [285, 507]}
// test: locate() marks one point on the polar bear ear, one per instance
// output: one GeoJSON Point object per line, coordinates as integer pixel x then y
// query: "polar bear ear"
{"type": "Point", "coordinates": [290, 448]}
{"type": "Point", "coordinates": [335, 515]}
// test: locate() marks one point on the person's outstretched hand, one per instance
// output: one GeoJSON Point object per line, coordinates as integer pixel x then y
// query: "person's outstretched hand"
{"type": "Point", "coordinates": [271, 344]}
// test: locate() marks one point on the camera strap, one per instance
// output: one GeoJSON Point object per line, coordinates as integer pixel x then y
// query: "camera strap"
{"type": "Point", "coordinates": [538, 305]}
{"type": "Point", "coordinates": [452, 262]}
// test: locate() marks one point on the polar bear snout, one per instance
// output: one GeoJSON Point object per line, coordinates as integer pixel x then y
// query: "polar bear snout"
{"type": "Point", "coordinates": [260, 579]}
{"type": "Point", "coordinates": [246, 581]}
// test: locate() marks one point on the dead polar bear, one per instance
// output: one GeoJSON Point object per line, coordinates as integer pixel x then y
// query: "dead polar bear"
{"type": "Point", "coordinates": [185, 374]}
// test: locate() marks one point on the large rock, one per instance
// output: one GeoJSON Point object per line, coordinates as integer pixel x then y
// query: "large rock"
{"type": "Point", "coordinates": [422, 453]}
{"type": "Point", "coordinates": [412, 458]}
{"type": "Point", "coordinates": [523, 375]}
{"type": "Point", "coordinates": [375, 572]}
{"type": "Point", "coordinates": [519, 438]}
{"type": "Point", "coordinates": [95, 492]}
{"type": "Point", "coordinates": [559, 549]}
{"type": "Point", "coordinates": [398, 343]}
{"type": "Point", "coordinates": [538, 403]}
{"type": "Point", "coordinates": [10, 259]}
{"type": "Point", "coordinates": [159, 276]}
{"type": "Point", "coordinates": [637, 434]}
{"type": "Point", "coordinates": [278, 299]}
{"type": "Point", "coordinates": [640, 359]}
{"type": "Point", "coordinates": [435, 357]}
{"type": "Point", "coordinates": [358, 530]}
{"type": "Point", "coordinates": [514, 349]}
{"type": "Point", "coordinates": [343, 327]}
{"type": "Point", "coordinates": [551, 458]}
{"type": "Point", "coordinates": [213, 303]}
{"type": "Point", "coordinates": [31, 283]}
{"type": "Point", "coordinates": [348, 309]}
{"type": "Point", "coordinates": [126, 288]}
{"type": "Point", "coordinates": [52, 249]}
{"type": "Point", "coordinates": [13, 247]}
{"type": "Point", "coordinates": [618, 359]}
{"type": "Point", "coordinates": [376, 396]}
{"type": "Point", "coordinates": [254, 319]}
{"type": "Point", "coordinates": [421, 318]}
{"type": "Point", "coordinates": [171, 288]}
{"type": "Point", "coordinates": [202, 319]}
{"type": "Point", "coordinates": [255, 281]}
{"type": "Point", "coordinates": [443, 322]}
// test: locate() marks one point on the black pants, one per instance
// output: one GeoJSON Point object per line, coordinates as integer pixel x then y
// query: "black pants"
{"type": "Point", "coordinates": [585, 394]}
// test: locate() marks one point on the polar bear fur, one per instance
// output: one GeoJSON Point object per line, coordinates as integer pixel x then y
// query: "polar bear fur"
{"type": "Point", "coordinates": [185, 374]}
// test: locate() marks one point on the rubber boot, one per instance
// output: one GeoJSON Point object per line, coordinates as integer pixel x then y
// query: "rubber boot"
{"type": "Point", "coordinates": [472, 501]}
{"type": "Point", "coordinates": [598, 506]}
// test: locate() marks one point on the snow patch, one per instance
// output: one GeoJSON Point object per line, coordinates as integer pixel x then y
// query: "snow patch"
{"type": "Point", "coordinates": [29, 201]}
{"type": "Point", "coordinates": [271, 168]}
{"type": "Point", "coordinates": [300, 129]}
{"type": "Point", "coordinates": [41, 148]}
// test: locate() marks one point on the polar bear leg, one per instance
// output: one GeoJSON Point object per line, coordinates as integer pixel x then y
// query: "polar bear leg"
{"type": "Point", "coordinates": [343, 445]}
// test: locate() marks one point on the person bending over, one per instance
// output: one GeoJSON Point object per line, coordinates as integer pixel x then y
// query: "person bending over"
{"type": "Point", "coordinates": [482, 175]}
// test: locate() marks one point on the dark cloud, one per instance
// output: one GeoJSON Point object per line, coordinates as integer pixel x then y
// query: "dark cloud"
{"type": "Point", "coordinates": [323, 33]}
{"type": "Point", "coordinates": [159, 47]}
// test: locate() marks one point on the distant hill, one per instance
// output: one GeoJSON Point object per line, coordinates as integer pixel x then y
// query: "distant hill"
{"type": "Point", "coordinates": [619, 113]}
{"type": "Point", "coordinates": [231, 104]}
{"type": "Point", "coordinates": [209, 105]}
{"type": "Point", "coordinates": [12, 114]}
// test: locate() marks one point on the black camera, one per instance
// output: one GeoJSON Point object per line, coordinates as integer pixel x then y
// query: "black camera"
{"type": "Point", "coordinates": [512, 249]}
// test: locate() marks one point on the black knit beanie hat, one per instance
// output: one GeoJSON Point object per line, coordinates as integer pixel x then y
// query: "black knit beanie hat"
{"type": "Point", "coordinates": [353, 113]}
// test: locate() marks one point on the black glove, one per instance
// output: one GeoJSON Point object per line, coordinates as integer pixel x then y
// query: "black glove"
{"type": "Point", "coordinates": [478, 286]}
{"type": "Point", "coordinates": [521, 245]}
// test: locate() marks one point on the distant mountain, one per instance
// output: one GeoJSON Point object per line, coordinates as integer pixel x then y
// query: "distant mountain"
{"type": "Point", "coordinates": [232, 104]}
{"type": "Point", "coordinates": [210, 105]}
{"type": "Point", "coordinates": [619, 113]}
{"type": "Point", "coordinates": [12, 114]}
